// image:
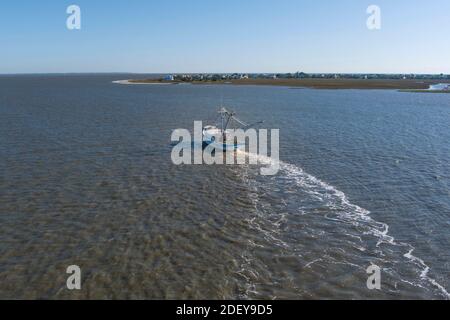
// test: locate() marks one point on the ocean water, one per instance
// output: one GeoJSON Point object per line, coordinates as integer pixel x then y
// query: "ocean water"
{"type": "Point", "coordinates": [86, 179]}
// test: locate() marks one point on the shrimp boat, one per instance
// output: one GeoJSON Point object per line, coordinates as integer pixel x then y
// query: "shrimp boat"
{"type": "Point", "coordinates": [218, 136]}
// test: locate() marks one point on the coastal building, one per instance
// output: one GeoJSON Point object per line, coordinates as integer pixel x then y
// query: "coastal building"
{"type": "Point", "coordinates": [169, 77]}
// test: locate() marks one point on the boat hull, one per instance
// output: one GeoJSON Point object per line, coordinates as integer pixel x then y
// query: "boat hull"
{"type": "Point", "coordinates": [209, 138]}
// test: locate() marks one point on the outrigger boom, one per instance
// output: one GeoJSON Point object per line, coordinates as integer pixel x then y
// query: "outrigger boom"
{"type": "Point", "coordinates": [226, 117]}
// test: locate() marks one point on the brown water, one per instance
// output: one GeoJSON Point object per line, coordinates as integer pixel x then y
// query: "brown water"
{"type": "Point", "coordinates": [86, 179]}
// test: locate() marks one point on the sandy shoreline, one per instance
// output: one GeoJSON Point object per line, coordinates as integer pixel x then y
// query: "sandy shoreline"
{"type": "Point", "coordinates": [130, 81]}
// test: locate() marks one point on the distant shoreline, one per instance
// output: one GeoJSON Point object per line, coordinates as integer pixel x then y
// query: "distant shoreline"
{"type": "Point", "coordinates": [394, 84]}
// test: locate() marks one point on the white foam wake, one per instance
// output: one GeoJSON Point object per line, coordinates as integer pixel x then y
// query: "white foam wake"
{"type": "Point", "coordinates": [349, 212]}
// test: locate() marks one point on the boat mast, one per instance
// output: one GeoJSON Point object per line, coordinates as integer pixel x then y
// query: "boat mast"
{"type": "Point", "coordinates": [230, 115]}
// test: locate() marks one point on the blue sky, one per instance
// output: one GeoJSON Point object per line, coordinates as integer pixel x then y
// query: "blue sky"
{"type": "Point", "coordinates": [225, 36]}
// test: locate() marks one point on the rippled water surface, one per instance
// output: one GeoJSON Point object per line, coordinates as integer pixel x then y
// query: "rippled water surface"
{"type": "Point", "coordinates": [86, 178]}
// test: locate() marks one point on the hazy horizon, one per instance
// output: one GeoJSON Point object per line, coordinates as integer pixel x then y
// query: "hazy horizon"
{"type": "Point", "coordinates": [231, 72]}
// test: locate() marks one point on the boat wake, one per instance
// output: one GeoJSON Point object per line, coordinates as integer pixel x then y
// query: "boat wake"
{"type": "Point", "coordinates": [344, 212]}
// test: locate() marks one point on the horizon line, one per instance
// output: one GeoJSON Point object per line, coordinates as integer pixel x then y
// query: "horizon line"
{"type": "Point", "coordinates": [159, 73]}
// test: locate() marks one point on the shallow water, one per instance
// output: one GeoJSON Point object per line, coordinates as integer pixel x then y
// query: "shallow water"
{"type": "Point", "coordinates": [87, 179]}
